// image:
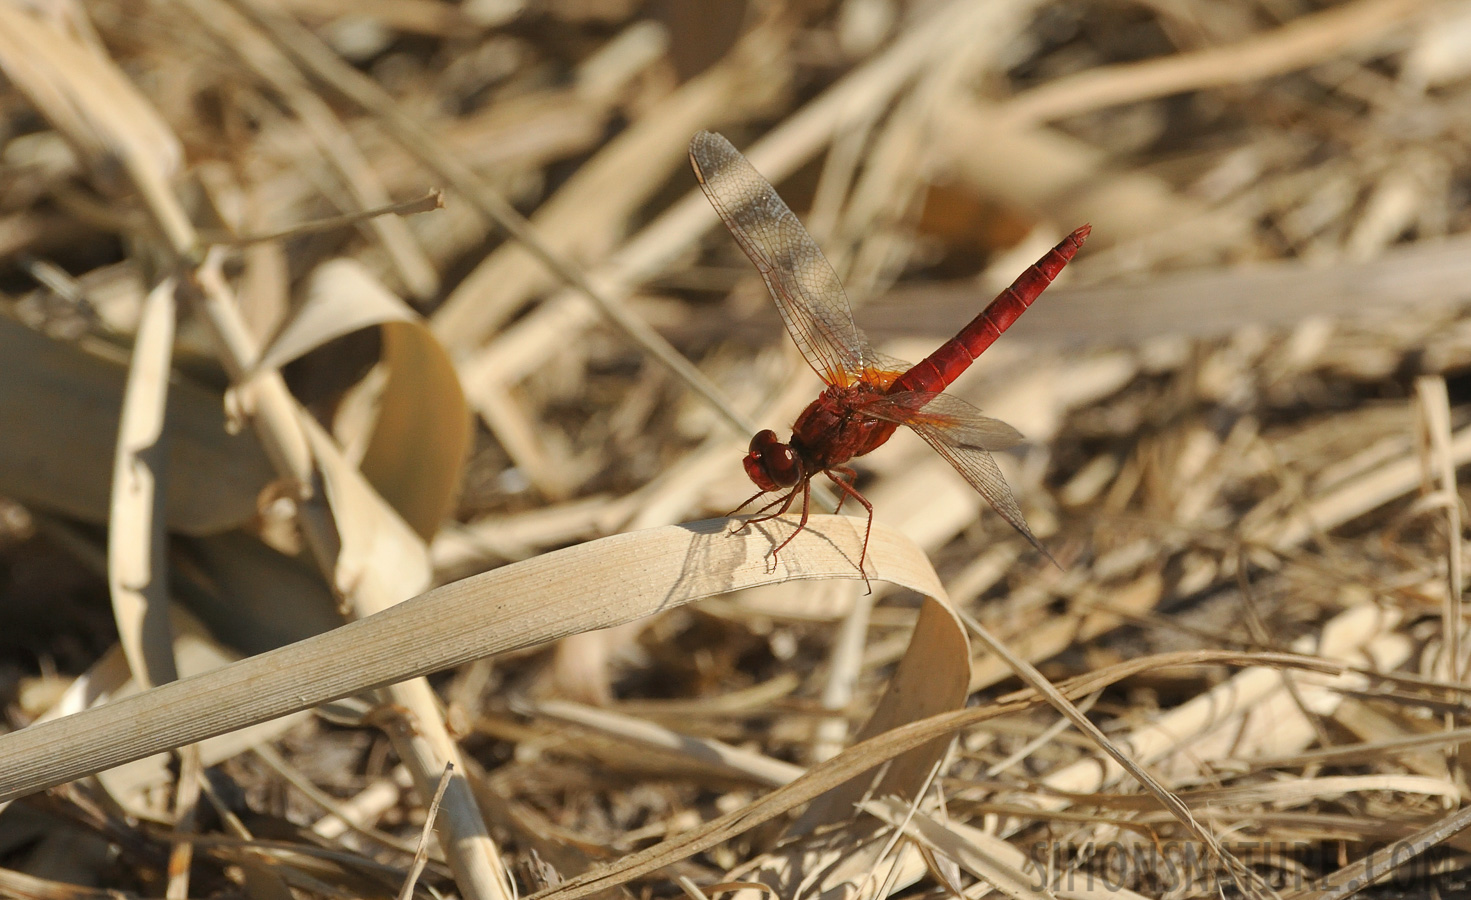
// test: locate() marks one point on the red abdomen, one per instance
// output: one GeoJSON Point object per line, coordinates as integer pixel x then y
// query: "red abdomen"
{"type": "Point", "coordinates": [935, 372]}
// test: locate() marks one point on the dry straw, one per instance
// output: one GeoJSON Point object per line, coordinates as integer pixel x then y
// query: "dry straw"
{"type": "Point", "coordinates": [1253, 458]}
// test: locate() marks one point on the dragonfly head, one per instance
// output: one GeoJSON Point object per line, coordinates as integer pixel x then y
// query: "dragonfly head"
{"type": "Point", "coordinates": [771, 464]}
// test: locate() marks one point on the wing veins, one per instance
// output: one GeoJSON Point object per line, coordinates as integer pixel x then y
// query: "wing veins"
{"type": "Point", "coordinates": [807, 291]}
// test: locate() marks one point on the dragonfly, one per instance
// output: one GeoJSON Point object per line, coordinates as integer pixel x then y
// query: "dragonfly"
{"type": "Point", "coordinates": [867, 395]}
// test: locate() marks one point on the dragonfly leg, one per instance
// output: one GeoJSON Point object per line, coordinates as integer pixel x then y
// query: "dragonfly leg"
{"type": "Point", "coordinates": [785, 500]}
{"type": "Point", "coordinates": [852, 479]}
{"type": "Point", "coordinates": [758, 496]}
{"type": "Point", "coordinates": [786, 503]}
{"type": "Point", "coordinates": [850, 491]}
{"type": "Point", "coordinates": [806, 502]}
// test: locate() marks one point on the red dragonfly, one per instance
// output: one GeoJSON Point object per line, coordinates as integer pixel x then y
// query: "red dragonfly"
{"type": "Point", "coordinates": [868, 396]}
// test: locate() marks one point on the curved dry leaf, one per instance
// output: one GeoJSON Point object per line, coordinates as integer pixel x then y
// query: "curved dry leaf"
{"type": "Point", "coordinates": [137, 541]}
{"type": "Point", "coordinates": [340, 298]}
{"type": "Point", "coordinates": [422, 437]}
{"type": "Point", "coordinates": [60, 407]}
{"type": "Point", "coordinates": [593, 585]}
{"type": "Point", "coordinates": [418, 442]}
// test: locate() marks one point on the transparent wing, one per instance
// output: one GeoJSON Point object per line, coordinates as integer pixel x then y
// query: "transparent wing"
{"type": "Point", "coordinates": [806, 289]}
{"type": "Point", "coordinates": [965, 437]}
{"type": "Point", "coordinates": [958, 423]}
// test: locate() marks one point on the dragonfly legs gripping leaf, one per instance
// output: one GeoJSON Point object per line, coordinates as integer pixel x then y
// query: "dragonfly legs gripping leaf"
{"type": "Point", "coordinates": [804, 488]}
{"type": "Point", "coordinates": [850, 491]}
{"type": "Point", "coordinates": [785, 500]}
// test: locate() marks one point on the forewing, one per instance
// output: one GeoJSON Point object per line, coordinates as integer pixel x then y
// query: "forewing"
{"type": "Point", "coordinates": [965, 438]}
{"type": "Point", "coordinates": [806, 289]}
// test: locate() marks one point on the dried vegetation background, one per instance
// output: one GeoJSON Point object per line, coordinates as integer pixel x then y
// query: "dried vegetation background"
{"type": "Point", "coordinates": [235, 412]}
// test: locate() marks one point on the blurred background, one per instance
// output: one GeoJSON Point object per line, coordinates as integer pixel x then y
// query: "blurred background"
{"type": "Point", "coordinates": [1246, 392]}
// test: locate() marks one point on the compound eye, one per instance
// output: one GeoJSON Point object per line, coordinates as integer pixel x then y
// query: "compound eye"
{"type": "Point", "coordinates": [772, 464]}
{"type": "Point", "coordinates": [782, 465]}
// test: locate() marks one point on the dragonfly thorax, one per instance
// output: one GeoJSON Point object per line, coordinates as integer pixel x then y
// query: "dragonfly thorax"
{"type": "Point", "coordinates": [836, 427]}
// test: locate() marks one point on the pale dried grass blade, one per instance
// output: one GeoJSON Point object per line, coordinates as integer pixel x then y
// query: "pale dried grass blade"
{"type": "Point", "coordinates": [527, 345]}
{"type": "Point", "coordinates": [1422, 277]}
{"type": "Point", "coordinates": [1252, 712]}
{"type": "Point", "coordinates": [1435, 416]}
{"type": "Point", "coordinates": [729, 761]}
{"type": "Point", "coordinates": [360, 185]}
{"type": "Point", "coordinates": [594, 585]}
{"type": "Point", "coordinates": [1245, 879]}
{"type": "Point", "coordinates": [1300, 43]}
{"type": "Point", "coordinates": [1286, 793]}
{"type": "Point", "coordinates": [985, 856]}
{"type": "Point", "coordinates": [691, 889]}
{"type": "Point", "coordinates": [1368, 751]}
{"type": "Point", "coordinates": [137, 539]}
{"type": "Point", "coordinates": [87, 99]}
{"type": "Point", "coordinates": [585, 218]}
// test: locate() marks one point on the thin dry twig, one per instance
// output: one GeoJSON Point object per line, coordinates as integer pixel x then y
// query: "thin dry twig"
{"type": "Point", "coordinates": [421, 853]}
{"type": "Point", "coordinates": [427, 203]}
